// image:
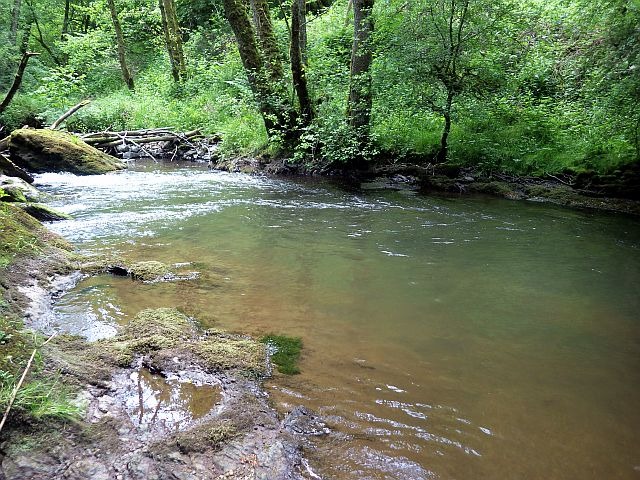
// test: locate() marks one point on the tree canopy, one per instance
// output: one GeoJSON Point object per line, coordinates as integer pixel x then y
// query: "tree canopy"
{"type": "Point", "coordinates": [526, 86]}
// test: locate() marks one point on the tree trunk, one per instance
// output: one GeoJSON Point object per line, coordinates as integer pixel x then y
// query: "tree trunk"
{"type": "Point", "coordinates": [173, 39]}
{"type": "Point", "coordinates": [276, 113]}
{"type": "Point", "coordinates": [267, 39]}
{"type": "Point", "coordinates": [17, 80]}
{"type": "Point", "coordinates": [444, 145]}
{"type": "Point", "coordinates": [359, 108]}
{"type": "Point", "coordinates": [15, 17]}
{"type": "Point", "coordinates": [126, 74]}
{"type": "Point", "coordinates": [65, 21]}
{"type": "Point", "coordinates": [298, 38]}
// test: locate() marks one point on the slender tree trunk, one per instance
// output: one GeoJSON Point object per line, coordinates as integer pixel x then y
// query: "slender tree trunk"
{"type": "Point", "coordinates": [267, 38]}
{"type": "Point", "coordinates": [65, 21]}
{"type": "Point", "coordinates": [15, 17]}
{"type": "Point", "coordinates": [444, 140]}
{"type": "Point", "coordinates": [126, 74]}
{"type": "Point", "coordinates": [276, 112]}
{"type": "Point", "coordinates": [359, 108]}
{"type": "Point", "coordinates": [17, 80]}
{"type": "Point", "coordinates": [296, 51]}
{"type": "Point", "coordinates": [173, 39]}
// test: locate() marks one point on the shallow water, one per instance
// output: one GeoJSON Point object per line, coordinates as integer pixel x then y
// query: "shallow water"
{"type": "Point", "coordinates": [464, 338]}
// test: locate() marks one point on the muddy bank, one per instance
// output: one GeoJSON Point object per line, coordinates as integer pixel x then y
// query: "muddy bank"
{"type": "Point", "coordinates": [164, 398]}
{"type": "Point", "coordinates": [617, 191]}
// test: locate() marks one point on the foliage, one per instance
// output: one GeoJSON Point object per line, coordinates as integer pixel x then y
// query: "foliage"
{"type": "Point", "coordinates": [285, 352]}
{"type": "Point", "coordinates": [539, 87]}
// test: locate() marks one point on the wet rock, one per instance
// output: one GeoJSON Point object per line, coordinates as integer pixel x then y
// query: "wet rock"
{"type": "Point", "coordinates": [148, 271]}
{"type": "Point", "coordinates": [30, 466]}
{"type": "Point", "coordinates": [20, 191]}
{"type": "Point", "coordinates": [7, 167]}
{"type": "Point", "coordinates": [87, 468]}
{"type": "Point", "coordinates": [53, 151]}
{"type": "Point", "coordinates": [303, 421]}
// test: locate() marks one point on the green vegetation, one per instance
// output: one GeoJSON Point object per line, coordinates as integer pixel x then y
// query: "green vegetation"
{"type": "Point", "coordinates": [41, 396]}
{"type": "Point", "coordinates": [524, 86]}
{"type": "Point", "coordinates": [285, 352]}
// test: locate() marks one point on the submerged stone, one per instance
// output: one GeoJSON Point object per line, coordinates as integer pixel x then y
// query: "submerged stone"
{"type": "Point", "coordinates": [53, 151]}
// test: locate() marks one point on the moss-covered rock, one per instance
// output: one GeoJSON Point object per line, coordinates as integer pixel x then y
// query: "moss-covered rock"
{"type": "Point", "coordinates": [53, 151]}
{"type": "Point", "coordinates": [43, 213]}
{"type": "Point", "coordinates": [168, 323]}
{"type": "Point", "coordinates": [148, 271]}
{"type": "Point", "coordinates": [220, 351]}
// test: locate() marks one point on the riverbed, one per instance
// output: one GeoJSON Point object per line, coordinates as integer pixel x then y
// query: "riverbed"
{"type": "Point", "coordinates": [450, 338]}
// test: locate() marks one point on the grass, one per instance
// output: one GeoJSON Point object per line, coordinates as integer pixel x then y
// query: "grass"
{"type": "Point", "coordinates": [285, 352]}
{"type": "Point", "coordinates": [41, 397]}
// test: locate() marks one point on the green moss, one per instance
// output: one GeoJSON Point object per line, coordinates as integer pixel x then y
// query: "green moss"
{"type": "Point", "coordinates": [220, 351]}
{"type": "Point", "coordinates": [497, 188]}
{"type": "Point", "coordinates": [54, 151]}
{"type": "Point", "coordinates": [12, 195]}
{"type": "Point", "coordinates": [167, 324]}
{"type": "Point", "coordinates": [285, 352]}
{"type": "Point", "coordinates": [19, 233]}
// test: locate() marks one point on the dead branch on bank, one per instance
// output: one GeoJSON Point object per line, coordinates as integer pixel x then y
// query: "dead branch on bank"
{"type": "Point", "coordinates": [68, 113]}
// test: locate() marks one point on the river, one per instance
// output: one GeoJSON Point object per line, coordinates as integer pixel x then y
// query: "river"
{"type": "Point", "coordinates": [448, 338]}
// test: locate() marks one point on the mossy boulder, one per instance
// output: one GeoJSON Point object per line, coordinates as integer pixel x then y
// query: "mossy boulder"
{"type": "Point", "coordinates": [52, 151]}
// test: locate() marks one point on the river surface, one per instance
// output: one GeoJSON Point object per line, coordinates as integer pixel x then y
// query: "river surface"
{"type": "Point", "coordinates": [448, 338]}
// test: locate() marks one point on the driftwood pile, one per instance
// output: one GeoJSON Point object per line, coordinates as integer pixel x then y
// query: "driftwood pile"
{"type": "Point", "coordinates": [156, 143]}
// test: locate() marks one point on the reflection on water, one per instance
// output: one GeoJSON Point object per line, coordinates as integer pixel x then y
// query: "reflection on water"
{"type": "Point", "coordinates": [444, 338]}
{"type": "Point", "coordinates": [166, 403]}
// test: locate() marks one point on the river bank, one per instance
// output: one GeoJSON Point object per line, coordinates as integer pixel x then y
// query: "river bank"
{"type": "Point", "coordinates": [617, 191]}
{"type": "Point", "coordinates": [162, 397]}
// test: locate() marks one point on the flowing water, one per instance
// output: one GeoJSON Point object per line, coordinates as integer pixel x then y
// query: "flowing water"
{"type": "Point", "coordinates": [465, 338]}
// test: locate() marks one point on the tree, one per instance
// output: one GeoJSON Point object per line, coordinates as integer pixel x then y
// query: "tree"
{"type": "Point", "coordinates": [17, 81]}
{"type": "Point", "coordinates": [15, 16]}
{"type": "Point", "coordinates": [360, 99]}
{"type": "Point", "coordinates": [267, 39]}
{"type": "Point", "coordinates": [269, 92]}
{"type": "Point", "coordinates": [448, 48]}
{"type": "Point", "coordinates": [297, 53]}
{"type": "Point", "coordinates": [126, 74]}
{"type": "Point", "coordinates": [173, 39]}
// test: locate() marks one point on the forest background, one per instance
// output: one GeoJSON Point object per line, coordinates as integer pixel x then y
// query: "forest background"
{"type": "Point", "coordinates": [523, 86]}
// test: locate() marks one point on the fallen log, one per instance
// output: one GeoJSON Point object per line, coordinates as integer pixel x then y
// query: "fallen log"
{"type": "Point", "coordinates": [113, 139]}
